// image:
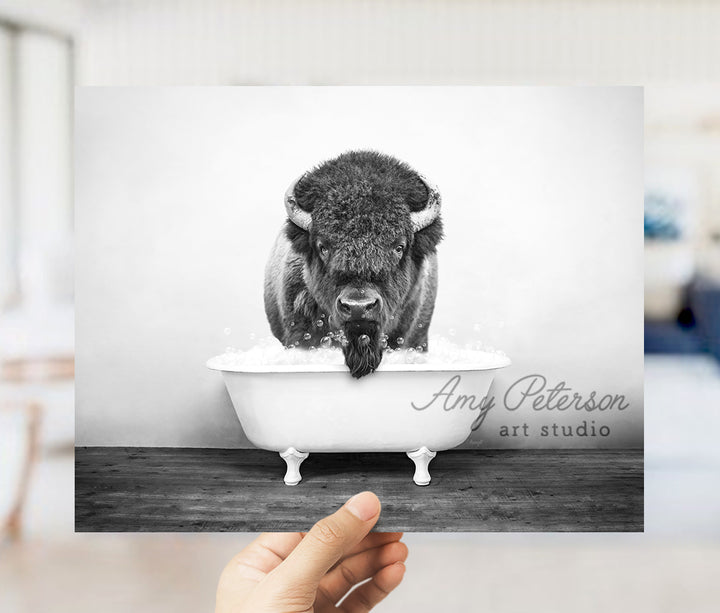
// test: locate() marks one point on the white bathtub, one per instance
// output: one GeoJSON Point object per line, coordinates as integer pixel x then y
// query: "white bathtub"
{"type": "Point", "coordinates": [296, 410]}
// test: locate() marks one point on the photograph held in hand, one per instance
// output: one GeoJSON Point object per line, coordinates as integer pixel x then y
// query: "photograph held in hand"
{"type": "Point", "coordinates": [401, 303]}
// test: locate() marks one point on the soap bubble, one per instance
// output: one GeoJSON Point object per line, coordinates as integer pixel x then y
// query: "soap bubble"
{"type": "Point", "coordinates": [441, 351]}
{"type": "Point", "coordinates": [420, 325]}
{"type": "Point", "coordinates": [227, 331]}
{"type": "Point", "coordinates": [307, 336]}
{"type": "Point", "coordinates": [400, 340]}
{"type": "Point", "coordinates": [319, 323]}
{"type": "Point", "coordinates": [292, 324]}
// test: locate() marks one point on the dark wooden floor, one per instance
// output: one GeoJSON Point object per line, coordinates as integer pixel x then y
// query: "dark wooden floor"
{"type": "Point", "coordinates": [159, 489]}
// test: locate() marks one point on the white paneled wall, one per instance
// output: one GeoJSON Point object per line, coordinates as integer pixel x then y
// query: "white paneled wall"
{"type": "Point", "coordinates": [161, 42]}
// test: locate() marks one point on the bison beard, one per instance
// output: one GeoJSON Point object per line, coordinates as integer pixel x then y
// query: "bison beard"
{"type": "Point", "coordinates": [362, 358]}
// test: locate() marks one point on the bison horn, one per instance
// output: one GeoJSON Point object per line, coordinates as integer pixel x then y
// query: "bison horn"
{"type": "Point", "coordinates": [423, 218]}
{"type": "Point", "coordinates": [298, 216]}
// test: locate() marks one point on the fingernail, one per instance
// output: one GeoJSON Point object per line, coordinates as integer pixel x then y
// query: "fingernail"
{"type": "Point", "coordinates": [364, 505]}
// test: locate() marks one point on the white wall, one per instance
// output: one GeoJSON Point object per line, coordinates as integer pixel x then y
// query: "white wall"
{"type": "Point", "coordinates": [179, 196]}
{"type": "Point", "coordinates": [233, 42]}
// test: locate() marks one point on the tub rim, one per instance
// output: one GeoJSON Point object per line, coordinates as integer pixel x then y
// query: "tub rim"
{"type": "Point", "coordinates": [501, 361]}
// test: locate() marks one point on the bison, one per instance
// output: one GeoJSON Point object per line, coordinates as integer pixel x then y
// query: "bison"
{"type": "Point", "coordinates": [355, 265]}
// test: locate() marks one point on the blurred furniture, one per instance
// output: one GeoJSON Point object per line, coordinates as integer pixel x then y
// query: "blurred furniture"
{"type": "Point", "coordinates": [669, 247]}
{"type": "Point", "coordinates": [669, 267]}
{"type": "Point", "coordinates": [671, 337]}
{"type": "Point", "coordinates": [37, 349]}
{"type": "Point", "coordinates": [18, 371]}
{"type": "Point", "coordinates": [705, 303]}
{"type": "Point", "coordinates": [697, 327]}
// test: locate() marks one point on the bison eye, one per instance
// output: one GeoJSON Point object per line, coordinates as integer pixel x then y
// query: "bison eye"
{"type": "Point", "coordinates": [399, 250]}
{"type": "Point", "coordinates": [323, 250]}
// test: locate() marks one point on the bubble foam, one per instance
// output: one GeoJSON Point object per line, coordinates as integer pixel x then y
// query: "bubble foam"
{"type": "Point", "coordinates": [443, 353]}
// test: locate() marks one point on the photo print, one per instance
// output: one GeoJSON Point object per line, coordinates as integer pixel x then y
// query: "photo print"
{"type": "Point", "coordinates": [286, 295]}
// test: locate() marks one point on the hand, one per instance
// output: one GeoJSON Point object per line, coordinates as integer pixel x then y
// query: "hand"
{"type": "Point", "coordinates": [296, 573]}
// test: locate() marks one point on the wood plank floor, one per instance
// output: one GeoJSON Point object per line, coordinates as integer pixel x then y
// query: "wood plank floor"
{"type": "Point", "coordinates": [120, 489]}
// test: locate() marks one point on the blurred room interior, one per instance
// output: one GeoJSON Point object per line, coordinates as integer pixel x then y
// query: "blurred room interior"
{"type": "Point", "coordinates": [682, 305]}
{"type": "Point", "coordinates": [46, 47]}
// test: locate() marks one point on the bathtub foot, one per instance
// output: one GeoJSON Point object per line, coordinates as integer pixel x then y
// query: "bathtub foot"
{"type": "Point", "coordinates": [293, 458]}
{"type": "Point", "coordinates": [422, 458]}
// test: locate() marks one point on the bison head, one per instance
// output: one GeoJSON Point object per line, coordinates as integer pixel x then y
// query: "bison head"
{"type": "Point", "coordinates": [365, 224]}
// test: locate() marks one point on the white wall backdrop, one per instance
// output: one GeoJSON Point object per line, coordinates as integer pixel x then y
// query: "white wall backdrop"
{"type": "Point", "coordinates": [225, 42]}
{"type": "Point", "coordinates": [179, 197]}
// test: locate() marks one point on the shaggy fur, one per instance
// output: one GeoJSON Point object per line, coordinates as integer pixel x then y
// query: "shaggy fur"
{"type": "Point", "coordinates": [360, 204]}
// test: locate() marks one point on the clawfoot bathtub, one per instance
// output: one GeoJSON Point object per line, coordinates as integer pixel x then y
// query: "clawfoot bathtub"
{"type": "Point", "coordinates": [418, 409]}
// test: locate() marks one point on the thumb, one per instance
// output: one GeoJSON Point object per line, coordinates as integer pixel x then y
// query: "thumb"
{"type": "Point", "coordinates": [329, 540]}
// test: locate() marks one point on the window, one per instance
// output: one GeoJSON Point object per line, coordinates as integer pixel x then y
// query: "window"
{"type": "Point", "coordinates": [36, 74]}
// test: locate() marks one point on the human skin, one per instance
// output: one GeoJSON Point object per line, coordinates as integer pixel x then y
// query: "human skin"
{"type": "Point", "coordinates": [311, 572]}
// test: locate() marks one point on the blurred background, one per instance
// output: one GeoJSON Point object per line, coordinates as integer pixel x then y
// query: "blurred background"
{"type": "Point", "coordinates": [671, 47]}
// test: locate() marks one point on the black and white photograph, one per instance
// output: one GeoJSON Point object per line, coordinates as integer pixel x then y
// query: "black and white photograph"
{"type": "Point", "coordinates": [288, 294]}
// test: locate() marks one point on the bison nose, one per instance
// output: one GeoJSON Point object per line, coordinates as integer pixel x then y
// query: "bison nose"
{"type": "Point", "coordinates": [358, 304]}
